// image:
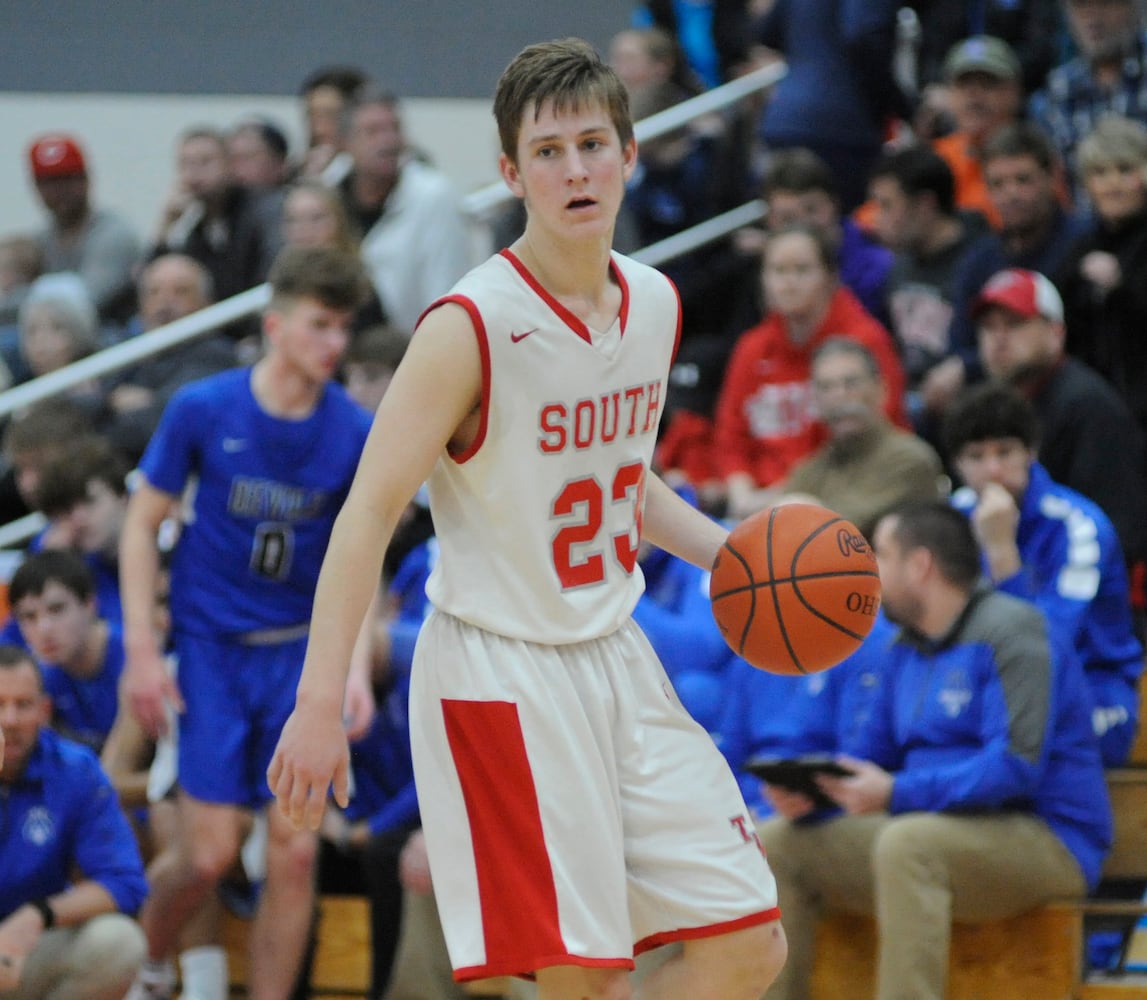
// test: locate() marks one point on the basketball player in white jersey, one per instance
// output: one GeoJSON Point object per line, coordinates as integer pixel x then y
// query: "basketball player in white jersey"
{"type": "Point", "coordinates": [574, 814]}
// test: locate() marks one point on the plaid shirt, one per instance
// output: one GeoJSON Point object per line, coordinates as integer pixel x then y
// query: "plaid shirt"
{"type": "Point", "coordinates": [1072, 102]}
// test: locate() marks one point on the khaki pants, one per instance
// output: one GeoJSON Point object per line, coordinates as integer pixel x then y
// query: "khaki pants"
{"type": "Point", "coordinates": [95, 961]}
{"type": "Point", "coordinates": [916, 873]}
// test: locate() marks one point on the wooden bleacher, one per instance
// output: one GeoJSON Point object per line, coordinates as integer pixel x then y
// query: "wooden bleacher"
{"type": "Point", "coordinates": [1035, 956]}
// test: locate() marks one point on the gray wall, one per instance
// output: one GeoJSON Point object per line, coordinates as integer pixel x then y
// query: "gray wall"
{"type": "Point", "coordinates": [422, 48]}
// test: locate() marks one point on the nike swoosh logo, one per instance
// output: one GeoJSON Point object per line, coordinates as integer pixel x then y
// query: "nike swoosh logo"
{"type": "Point", "coordinates": [517, 337]}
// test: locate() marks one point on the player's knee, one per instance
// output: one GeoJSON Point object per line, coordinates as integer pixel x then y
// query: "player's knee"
{"type": "Point", "coordinates": [293, 857]}
{"type": "Point", "coordinates": [567, 982]}
{"type": "Point", "coordinates": [210, 859]}
{"type": "Point", "coordinates": [761, 956]}
{"type": "Point", "coordinates": [741, 965]}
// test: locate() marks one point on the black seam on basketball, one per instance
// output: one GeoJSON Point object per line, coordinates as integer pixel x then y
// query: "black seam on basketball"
{"type": "Point", "coordinates": [808, 541]}
{"type": "Point", "coordinates": [859, 637]}
{"type": "Point", "coordinates": [776, 598]}
{"type": "Point", "coordinates": [752, 594]}
{"type": "Point", "coordinates": [795, 580]}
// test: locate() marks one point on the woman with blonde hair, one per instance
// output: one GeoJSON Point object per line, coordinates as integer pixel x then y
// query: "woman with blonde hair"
{"type": "Point", "coordinates": [314, 216]}
{"type": "Point", "coordinates": [1104, 279]}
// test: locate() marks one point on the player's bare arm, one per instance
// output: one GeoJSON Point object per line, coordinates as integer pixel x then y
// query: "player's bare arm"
{"type": "Point", "coordinates": [146, 681]}
{"type": "Point", "coordinates": [434, 393]}
{"type": "Point", "coordinates": [675, 526]}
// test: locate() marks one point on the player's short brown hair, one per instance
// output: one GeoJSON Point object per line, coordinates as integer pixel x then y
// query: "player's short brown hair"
{"type": "Point", "coordinates": [567, 73]}
{"type": "Point", "coordinates": [333, 277]}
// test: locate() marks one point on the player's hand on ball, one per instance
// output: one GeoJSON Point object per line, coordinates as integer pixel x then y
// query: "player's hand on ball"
{"type": "Point", "coordinates": [867, 790]}
{"type": "Point", "coordinates": [312, 758]}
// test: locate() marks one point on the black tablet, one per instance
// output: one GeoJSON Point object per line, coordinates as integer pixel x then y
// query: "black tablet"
{"type": "Point", "coordinates": [798, 774]}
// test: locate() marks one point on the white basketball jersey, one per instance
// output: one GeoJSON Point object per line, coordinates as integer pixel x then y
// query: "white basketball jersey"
{"type": "Point", "coordinates": [540, 519]}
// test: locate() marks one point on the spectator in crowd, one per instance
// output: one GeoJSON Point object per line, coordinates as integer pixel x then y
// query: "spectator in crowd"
{"type": "Point", "coordinates": [765, 418]}
{"type": "Point", "coordinates": [273, 449]}
{"type": "Point", "coordinates": [371, 361]}
{"type": "Point", "coordinates": [21, 263]}
{"type": "Point", "coordinates": [977, 790]}
{"type": "Point", "coordinates": [772, 715]}
{"type": "Point", "coordinates": [257, 155]}
{"type": "Point", "coordinates": [58, 325]}
{"type": "Point", "coordinates": [414, 239]}
{"type": "Point", "coordinates": [53, 599]}
{"type": "Point", "coordinates": [1019, 316]}
{"type": "Point", "coordinates": [1050, 545]}
{"type": "Point", "coordinates": [70, 871]}
{"type": "Point", "coordinates": [83, 493]}
{"type": "Point", "coordinates": [32, 439]}
{"type": "Point", "coordinates": [643, 57]}
{"type": "Point", "coordinates": [913, 193]}
{"type": "Point", "coordinates": [798, 187]}
{"type": "Point", "coordinates": [214, 220]}
{"type": "Point", "coordinates": [985, 95]}
{"type": "Point", "coordinates": [327, 93]}
{"type": "Point", "coordinates": [697, 32]}
{"type": "Point", "coordinates": [1106, 76]}
{"type": "Point", "coordinates": [867, 466]}
{"type": "Point", "coordinates": [1031, 28]}
{"type": "Point", "coordinates": [171, 286]}
{"type": "Point", "coordinates": [1036, 233]}
{"type": "Point", "coordinates": [96, 244]}
{"type": "Point", "coordinates": [850, 45]}
{"type": "Point", "coordinates": [1104, 279]}
{"type": "Point", "coordinates": [314, 216]}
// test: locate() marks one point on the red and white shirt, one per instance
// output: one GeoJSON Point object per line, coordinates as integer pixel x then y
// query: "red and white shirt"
{"type": "Point", "coordinates": [539, 520]}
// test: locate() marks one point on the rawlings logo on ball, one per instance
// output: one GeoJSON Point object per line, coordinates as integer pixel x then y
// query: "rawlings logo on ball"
{"type": "Point", "coordinates": [850, 543]}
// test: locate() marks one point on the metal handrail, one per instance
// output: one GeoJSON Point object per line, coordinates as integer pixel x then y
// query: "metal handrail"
{"type": "Point", "coordinates": [479, 204]}
{"type": "Point", "coordinates": [122, 355]}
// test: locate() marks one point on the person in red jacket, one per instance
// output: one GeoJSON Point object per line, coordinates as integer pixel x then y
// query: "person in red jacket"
{"type": "Point", "coordinates": [765, 420]}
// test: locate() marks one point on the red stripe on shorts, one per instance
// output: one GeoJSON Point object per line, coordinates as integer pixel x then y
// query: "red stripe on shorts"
{"type": "Point", "coordinates": [515, 881]}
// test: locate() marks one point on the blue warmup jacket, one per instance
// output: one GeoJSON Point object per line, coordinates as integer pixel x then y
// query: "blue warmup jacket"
{"type": "Point", "coordinates": [772, 715]}
{"type": "Point", "coordinates": [59, 815]}
{"type": "Point", "coordinates": [1074, 572]}
{"type": "Point", "coordinates": [993, 716]}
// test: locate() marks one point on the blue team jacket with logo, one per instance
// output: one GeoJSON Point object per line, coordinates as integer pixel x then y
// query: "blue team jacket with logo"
{"type": "Point", "coordinates": [62, 814]}
{"type": "Point", "coordinates": [992, 716]}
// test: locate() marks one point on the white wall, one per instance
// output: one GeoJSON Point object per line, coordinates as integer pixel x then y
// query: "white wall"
{"type": "Point", "coordinates": [130, 140]}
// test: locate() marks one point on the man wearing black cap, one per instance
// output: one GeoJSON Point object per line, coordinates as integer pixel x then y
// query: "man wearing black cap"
{"type": "Point", "coordinates": [98, 245]}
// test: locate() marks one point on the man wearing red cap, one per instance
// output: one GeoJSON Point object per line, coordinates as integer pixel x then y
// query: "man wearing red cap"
{"type": "Point", "coordinates": [98, 245]}
{"type": "Point", "coordinates": [1089, 440]}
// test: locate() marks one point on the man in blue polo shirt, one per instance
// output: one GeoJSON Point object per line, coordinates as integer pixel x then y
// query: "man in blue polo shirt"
{"type": "Point", "coordinates": [61, 934]}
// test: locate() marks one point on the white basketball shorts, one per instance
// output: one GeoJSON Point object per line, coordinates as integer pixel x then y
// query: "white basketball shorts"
{"type": "Point", "coordinates": [574, 813]}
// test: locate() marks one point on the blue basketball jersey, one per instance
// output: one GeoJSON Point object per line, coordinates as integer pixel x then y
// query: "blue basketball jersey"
{"type": "Point", "coordinates": [266, 496]}
{"type": "Point", "coordinates": [84, 709]}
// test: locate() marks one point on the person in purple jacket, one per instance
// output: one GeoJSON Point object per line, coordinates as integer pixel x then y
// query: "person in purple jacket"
{"type": "Point", "coordinates": [70, 871]}
{"type": "Point", "coordinates": [977, 789]}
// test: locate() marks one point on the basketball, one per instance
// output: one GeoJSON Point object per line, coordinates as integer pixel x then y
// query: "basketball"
{"type": "Point", "coordinates": [795, 589]}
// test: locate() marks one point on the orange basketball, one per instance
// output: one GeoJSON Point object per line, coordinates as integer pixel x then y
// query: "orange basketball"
{"type": "Point", "coordinates": [795, 589]}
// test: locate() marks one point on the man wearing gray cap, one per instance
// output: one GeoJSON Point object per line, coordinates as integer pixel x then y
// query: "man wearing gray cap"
{"type": "Point", "coordinates": [986, 93]}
